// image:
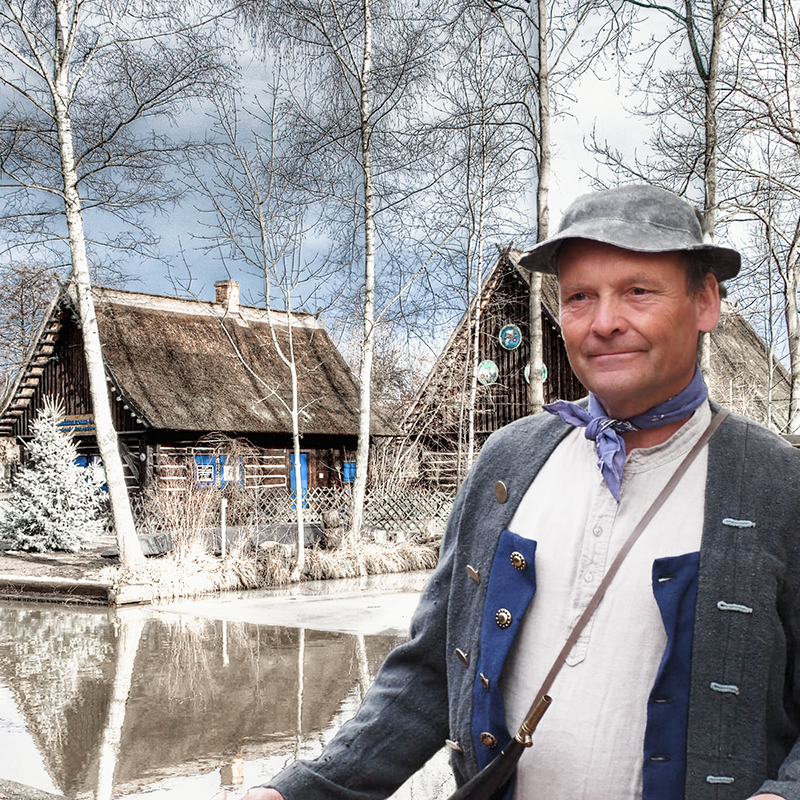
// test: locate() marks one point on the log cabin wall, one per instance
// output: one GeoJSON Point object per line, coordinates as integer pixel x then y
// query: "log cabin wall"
{"type": "Point", "coordinates": [177, 463]}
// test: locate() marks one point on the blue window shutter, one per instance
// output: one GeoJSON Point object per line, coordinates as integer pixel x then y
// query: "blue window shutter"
{"type": "Point", "coordinates": [230, 473]}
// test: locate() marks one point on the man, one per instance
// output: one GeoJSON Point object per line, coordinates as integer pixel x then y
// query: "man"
{"type": "Point", "coordinates": [686, 681]}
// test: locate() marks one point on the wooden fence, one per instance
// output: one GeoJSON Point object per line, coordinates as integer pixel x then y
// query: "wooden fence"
{"type": "Point", "coordinates": [411, 510]}
{"type": "Point", "coordinates": [416, 512]}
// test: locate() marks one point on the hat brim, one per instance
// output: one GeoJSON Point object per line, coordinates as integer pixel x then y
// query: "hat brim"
{"type": "Point", "coordinates": [724, 263]}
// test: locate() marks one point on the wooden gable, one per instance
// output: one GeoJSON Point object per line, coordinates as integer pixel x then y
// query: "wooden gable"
{"type": "Point", "coordinates": [439, 410]}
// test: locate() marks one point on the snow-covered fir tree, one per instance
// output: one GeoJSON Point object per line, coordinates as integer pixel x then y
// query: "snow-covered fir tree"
{"type": "Point", "coordinates": [56, 504]}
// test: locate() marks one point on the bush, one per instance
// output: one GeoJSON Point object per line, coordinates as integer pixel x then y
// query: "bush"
{"type": "Point", "coordinates": [56, 504]}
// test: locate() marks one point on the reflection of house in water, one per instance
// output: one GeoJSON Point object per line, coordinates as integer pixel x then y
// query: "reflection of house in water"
{"type": "Point", "coordinates": [199, 697]}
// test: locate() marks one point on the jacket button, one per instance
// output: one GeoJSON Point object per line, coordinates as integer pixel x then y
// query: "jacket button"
{"type": "Point", "coordinates": [463, 657]}
{"type": "Point", "coordinates": [518, 560]}
{"type": "Point", "coordinates": [474, 574]}
{"type": "Point", "coordinates": [503, 617]}
{"type": "Point", "coordinates": [488, 739]}
{"type": "Point", "coordinates": [485, 682]}
{"type": "Point", "coordinates": [453, 745]}
{"type": "Point", "coordinates": [500, 492]}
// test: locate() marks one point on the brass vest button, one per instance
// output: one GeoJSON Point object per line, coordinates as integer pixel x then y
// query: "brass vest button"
{"type": "Point", "coordinates": [500, 492]}
{"type": "Point", "coordinates": [485, 682]}
{"type": "Point", "coordinates": [474, 574]}
{"type": "Point", "coordinates": [518, 560]}
{"type": "Point", "coordinates": [463, 657]}
{"type": "Point", "coordinates": [503, 617]}
{"type": "Point", "coordinates": [489, 739]}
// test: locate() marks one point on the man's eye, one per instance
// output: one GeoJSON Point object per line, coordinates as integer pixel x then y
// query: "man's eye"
{"type": "Point", "coordinates": [577, 297]}
{"type": "Point", "coordinates": [638, 291]}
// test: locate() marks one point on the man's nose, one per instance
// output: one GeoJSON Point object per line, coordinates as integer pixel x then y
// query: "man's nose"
{"type": "Point", "coordinates": [609, 318]}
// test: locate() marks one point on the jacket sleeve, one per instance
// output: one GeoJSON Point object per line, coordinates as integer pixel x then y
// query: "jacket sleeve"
{"type": "Point", "coordinates": [784, 725]}
{"type": "Point", "coordinates": [787, 784]}
{"type": "Point", "coordinates": [403, 720]}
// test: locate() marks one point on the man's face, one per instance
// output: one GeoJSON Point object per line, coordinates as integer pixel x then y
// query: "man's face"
{"type": "Point", "coordinates": [629, 323]}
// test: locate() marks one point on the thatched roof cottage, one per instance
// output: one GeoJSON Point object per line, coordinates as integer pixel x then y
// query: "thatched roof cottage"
{"type": "Point", "coordinates": [188, 378]}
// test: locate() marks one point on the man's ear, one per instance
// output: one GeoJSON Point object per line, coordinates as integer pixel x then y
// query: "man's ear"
{"type": "Point", "coordinates": [708, 304]}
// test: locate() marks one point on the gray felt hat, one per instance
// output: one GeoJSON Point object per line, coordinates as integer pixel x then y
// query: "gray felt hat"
{"type": "Point", "coordinates": [641, 218]}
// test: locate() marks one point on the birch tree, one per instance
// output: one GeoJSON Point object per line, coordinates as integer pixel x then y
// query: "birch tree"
{"type": "Point", "coordinates": [766, 158]}
{"type": "Point", "coordinates": [82, 80]}
{"type": "Point", "coordinates": [682, 100]}
{"type": "Point", "coordinates": [555, 44]}
{"type": "Point", "coordinates": [364, 60]}
{"type": "Point", "coordinates": [484, 190]}
{"type": "Point", "coordinates": [690, 93]}
{"type": "Point", "coordinates": [258, 226]}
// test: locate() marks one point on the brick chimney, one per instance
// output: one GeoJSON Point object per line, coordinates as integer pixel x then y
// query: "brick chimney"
{"type": "Point", "coordinates": [228, 295]}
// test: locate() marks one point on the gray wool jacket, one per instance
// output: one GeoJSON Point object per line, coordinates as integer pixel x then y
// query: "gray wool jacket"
{"type": "Point", "coordinates": [738, 744]}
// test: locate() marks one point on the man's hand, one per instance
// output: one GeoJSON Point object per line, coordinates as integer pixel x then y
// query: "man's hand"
{"type": "Point", "coordinates": [754, 797]}
{"type": "Point", "coordinates": [262, 793]}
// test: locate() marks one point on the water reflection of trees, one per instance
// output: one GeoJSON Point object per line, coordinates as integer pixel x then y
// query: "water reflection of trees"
{"type": "Point", "coordinates": [58, 667]}
{"type": "Point", "coordinates": [140, 698]}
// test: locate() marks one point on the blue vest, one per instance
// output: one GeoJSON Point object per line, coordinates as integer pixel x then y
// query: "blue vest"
{"type": "Point", "coordinates": [675, 588]}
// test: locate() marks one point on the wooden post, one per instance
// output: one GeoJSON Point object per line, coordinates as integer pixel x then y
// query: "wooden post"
{"type": "Point", "coordinates": [223, 528]}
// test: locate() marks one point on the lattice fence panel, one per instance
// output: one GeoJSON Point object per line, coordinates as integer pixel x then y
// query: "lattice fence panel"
{"type": "Point", "coordinates": [415, 512]}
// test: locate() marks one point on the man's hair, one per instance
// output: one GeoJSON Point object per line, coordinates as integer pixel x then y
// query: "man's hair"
{"type": "Point", "coordinates": [698, 266]}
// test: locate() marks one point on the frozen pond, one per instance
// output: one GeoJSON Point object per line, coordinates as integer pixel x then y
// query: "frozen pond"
{"type": "Point", "coordinates": [179, 701]}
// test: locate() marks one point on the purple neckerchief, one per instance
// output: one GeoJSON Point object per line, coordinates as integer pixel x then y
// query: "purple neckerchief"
{"type": "Point", "coordinates": [606, 431]}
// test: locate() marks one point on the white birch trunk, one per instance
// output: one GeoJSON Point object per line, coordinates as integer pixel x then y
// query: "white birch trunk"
{"type": "Point", "coordinates": [476, 353]}
{"type": "Point", "coordinates": [290, 361]}
{"type": "Point", "coordinates": [793, 337]}
{"type": "Point", "coordinates": [711, 102]}
{"type": "Point", "coordinates": [710, 157]}
{"type": "Point", "coordinates": [536, 385]}
{"type": "Point", "coordinates": [368, 340]}
{"type": "Point", "coordinates": [130, 553]}
{"type": "Point", "coordinates": [476, 360]}
{"type": "Point", "coordinates": [300, 556]}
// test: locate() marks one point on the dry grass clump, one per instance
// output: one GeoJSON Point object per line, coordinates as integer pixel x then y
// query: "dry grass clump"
{"type": "Point", "coordinates": [183, 515]}
{"type": "Point", "coordinates": [190, 570]}
{"type": "Point", "coordinates": [352, 560]}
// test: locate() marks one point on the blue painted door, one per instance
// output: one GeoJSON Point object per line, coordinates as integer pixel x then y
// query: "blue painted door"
{"type": "Point", "coordinates": [303, 478]}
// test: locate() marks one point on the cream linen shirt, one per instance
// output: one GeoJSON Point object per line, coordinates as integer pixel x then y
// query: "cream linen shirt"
{"type": "Point", "coordinates": [589, 746]}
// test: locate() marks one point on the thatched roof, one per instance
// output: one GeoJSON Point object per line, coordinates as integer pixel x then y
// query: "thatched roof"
{"type": "Point", "coordinates": [190, 365]}
{"type": "Point", "coordinates": [741, 378]}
